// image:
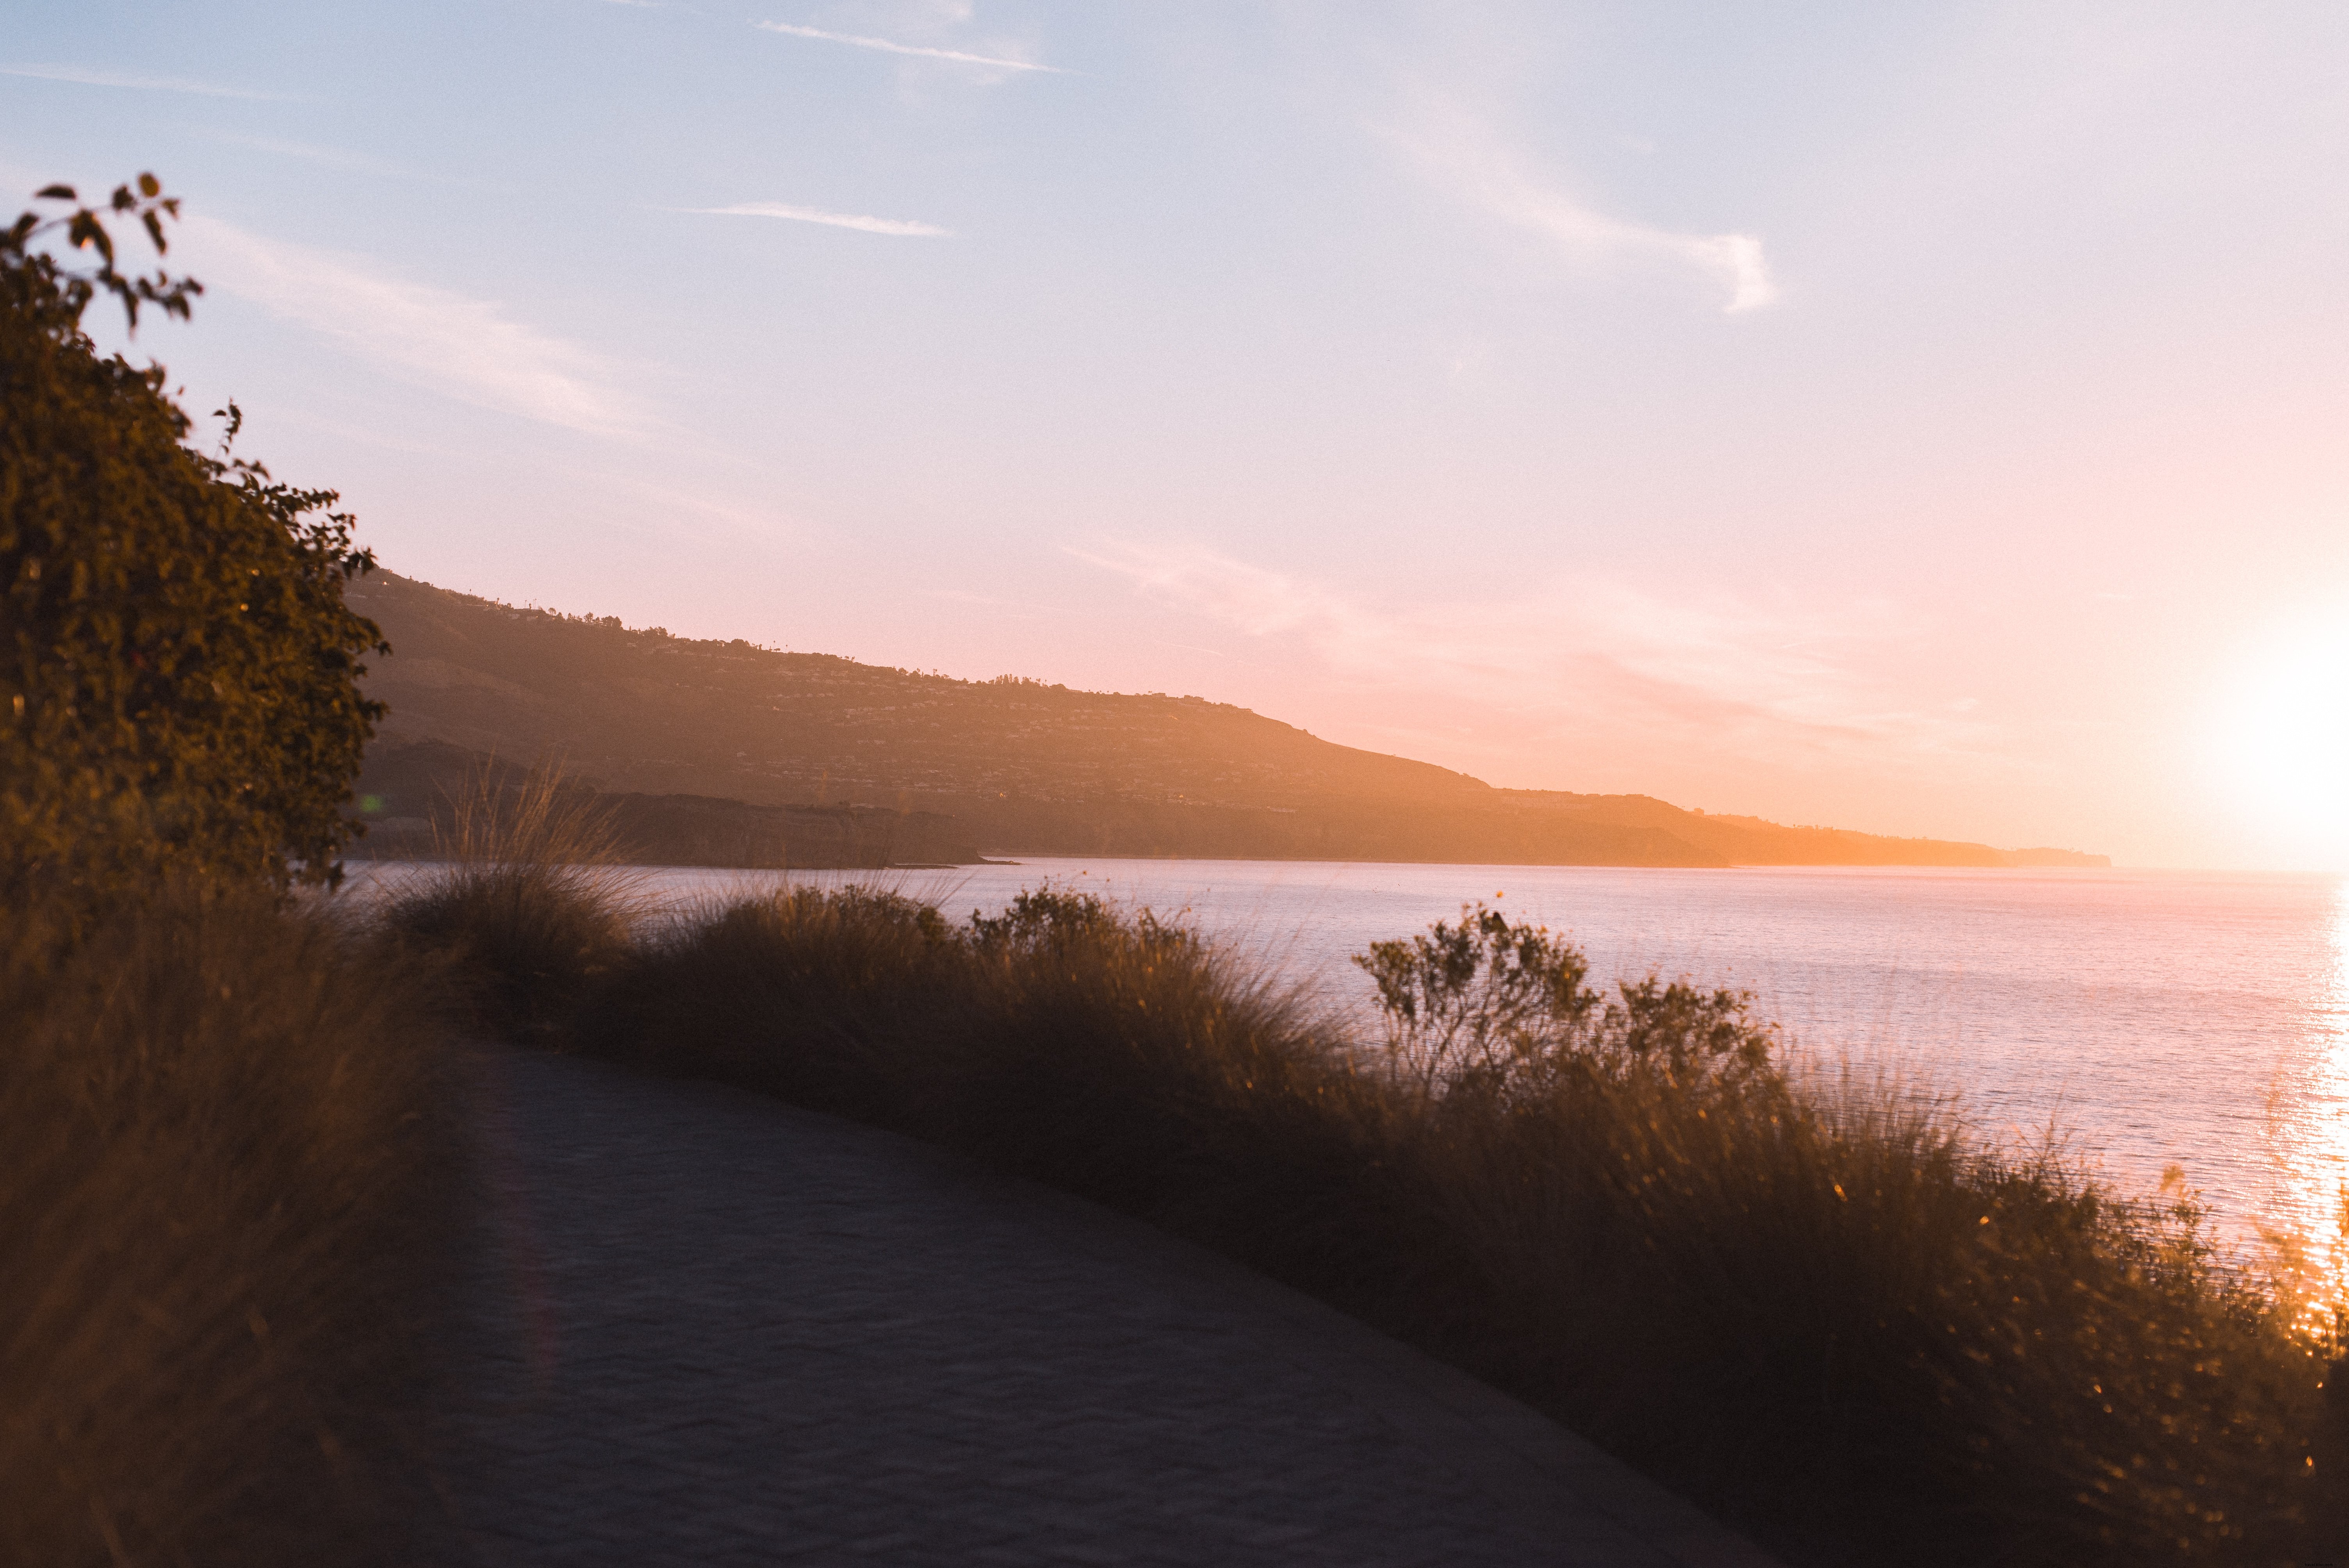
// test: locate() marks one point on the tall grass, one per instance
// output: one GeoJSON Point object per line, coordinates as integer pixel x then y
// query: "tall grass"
{"type": "Point", "coordinates": [523, 892]}
{"type": "Point", "coordinates": [231, 1195]}
{"type": "Point", "coordinates": [1815, 1303]}
{"type": "Point", "coordinates": [1830, 1311]}
{"type": "Point", "coordinates": [1121, 1059]}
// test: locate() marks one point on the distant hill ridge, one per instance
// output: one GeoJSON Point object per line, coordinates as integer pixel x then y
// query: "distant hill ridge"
{"type": "Point", "coordinates": [1024, 767]}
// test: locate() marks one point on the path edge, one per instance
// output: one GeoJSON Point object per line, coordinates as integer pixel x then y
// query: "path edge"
{"type": "Point", "coordinates": [1550, 1455]}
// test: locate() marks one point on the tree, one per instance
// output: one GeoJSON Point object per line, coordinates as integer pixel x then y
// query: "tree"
{"type": "Point", "coordinates": [178, 669]}
{"type": "Point", "coordinates": [1489, 1004]}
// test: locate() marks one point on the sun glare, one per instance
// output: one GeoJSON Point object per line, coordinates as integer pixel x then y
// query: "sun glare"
{"type": "Point", "coordinates": [2284, 736]}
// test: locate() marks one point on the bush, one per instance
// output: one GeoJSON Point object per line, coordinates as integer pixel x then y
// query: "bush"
{"type": "Point", "coordinates": [1501, 1008]}
{"type": "Point", "coordinates": [1830, 1313]}
{"type": "Point", "coordinates": [1119, 1057]}
{"type": "Point", "coordinates": [231, 1200]}
{"type": "Point", "coordinates": [179, 670]}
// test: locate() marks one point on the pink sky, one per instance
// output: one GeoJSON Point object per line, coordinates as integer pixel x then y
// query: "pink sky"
{"type": "Point", "coordinates": [1928, 423]}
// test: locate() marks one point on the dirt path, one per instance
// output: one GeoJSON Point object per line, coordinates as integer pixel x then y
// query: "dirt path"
{"type": "Point", "coordinates": [719, 1330]}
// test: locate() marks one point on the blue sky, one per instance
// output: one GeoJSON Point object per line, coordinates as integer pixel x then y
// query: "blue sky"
{"type": "Point", "coordinates": [1924, 419]}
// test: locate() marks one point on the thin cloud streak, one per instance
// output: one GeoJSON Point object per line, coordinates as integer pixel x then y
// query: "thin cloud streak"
{"type": "Point", "coordinates": [1596, 654]}
{"type": "Point", "coordinates": [86, 78]}
{"type": "Point", "coordinates": [462, 347]}
{"type": "Point", "coordinates": [890, 47]}
{"type": "Point", "coordinates": [1467, 157]}
{"type": "Point", "coordinates": [902, 226]}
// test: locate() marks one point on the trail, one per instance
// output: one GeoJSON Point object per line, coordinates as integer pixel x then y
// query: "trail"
{"type": "Point", "coordinates": [712, 1330]}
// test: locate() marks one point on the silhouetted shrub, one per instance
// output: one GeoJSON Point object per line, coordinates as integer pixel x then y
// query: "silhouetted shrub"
{"type": "Point", "coordinates": [178, 671]}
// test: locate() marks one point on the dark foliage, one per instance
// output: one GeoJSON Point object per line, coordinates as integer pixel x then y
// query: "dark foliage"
{"type": "Point", "coordinates": [178, 669]}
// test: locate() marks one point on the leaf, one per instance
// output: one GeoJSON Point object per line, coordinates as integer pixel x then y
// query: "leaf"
{"type": "Point", "coordinates": [149, 186]}
{"type": "Point", "coordinates": [55, 193]}
{"type": "Point", "coordinates": [86, 229]}
{"type": "Point", "coordinates": [154, 231]}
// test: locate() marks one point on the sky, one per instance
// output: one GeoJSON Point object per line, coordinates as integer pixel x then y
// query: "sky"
{"type": "Point", "coordinates": [1933, 421]}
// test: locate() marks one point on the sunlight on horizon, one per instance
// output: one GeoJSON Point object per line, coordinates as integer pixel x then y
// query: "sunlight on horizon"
{"type": "Point", "coordinates": [2282, 745]}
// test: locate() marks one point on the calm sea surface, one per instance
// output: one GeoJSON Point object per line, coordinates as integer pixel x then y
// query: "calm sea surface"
{"type": "Point", "coordinates": [2160, 1017]}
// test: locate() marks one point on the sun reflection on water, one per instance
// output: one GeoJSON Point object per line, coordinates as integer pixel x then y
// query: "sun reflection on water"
{"type": "Point", "coordinates": [2308, 1113]}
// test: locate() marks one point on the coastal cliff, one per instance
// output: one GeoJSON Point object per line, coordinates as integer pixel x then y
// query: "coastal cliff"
{"type": "Point", "coordinates": [723, 730]}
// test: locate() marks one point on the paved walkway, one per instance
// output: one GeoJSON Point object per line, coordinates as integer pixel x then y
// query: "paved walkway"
{"type": "Point", "coordinates": [717, 1330]}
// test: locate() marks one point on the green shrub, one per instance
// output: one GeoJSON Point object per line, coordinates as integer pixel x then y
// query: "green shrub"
{"type": "Point", "coordinates": [177, 670]}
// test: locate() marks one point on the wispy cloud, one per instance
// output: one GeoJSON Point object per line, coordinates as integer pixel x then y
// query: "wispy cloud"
{"type": "Point", "coordinates": [1466, 156]}
{"type": "Point", "coordinates": [90, 78]}
{"type": "Point", "coordinates": [462, 347]}
{"type": "Point", "coordinates": [1594, 655]}
{"type": "Point", "coordinates": [814, 215]}
{"type": "Point", "coordinates": [889, 46]}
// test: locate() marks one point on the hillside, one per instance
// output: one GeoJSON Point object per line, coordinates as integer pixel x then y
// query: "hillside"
{"type": "Point", "coordinates": [1024, 767]}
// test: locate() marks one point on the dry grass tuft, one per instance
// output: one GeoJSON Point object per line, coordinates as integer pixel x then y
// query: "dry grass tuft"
{"type": "Point", "coordinates": [525, 894]}
{"type": "Point", "coordinates": [1123, 1058]}
{"type": "Point", "coordinates": [232, 1196]}
{"type": "Point", "coordinates": [1835, 1316]}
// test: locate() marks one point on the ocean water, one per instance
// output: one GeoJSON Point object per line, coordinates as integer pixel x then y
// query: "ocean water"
{"type": "Point", "coordinates": [2159, 1017]}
